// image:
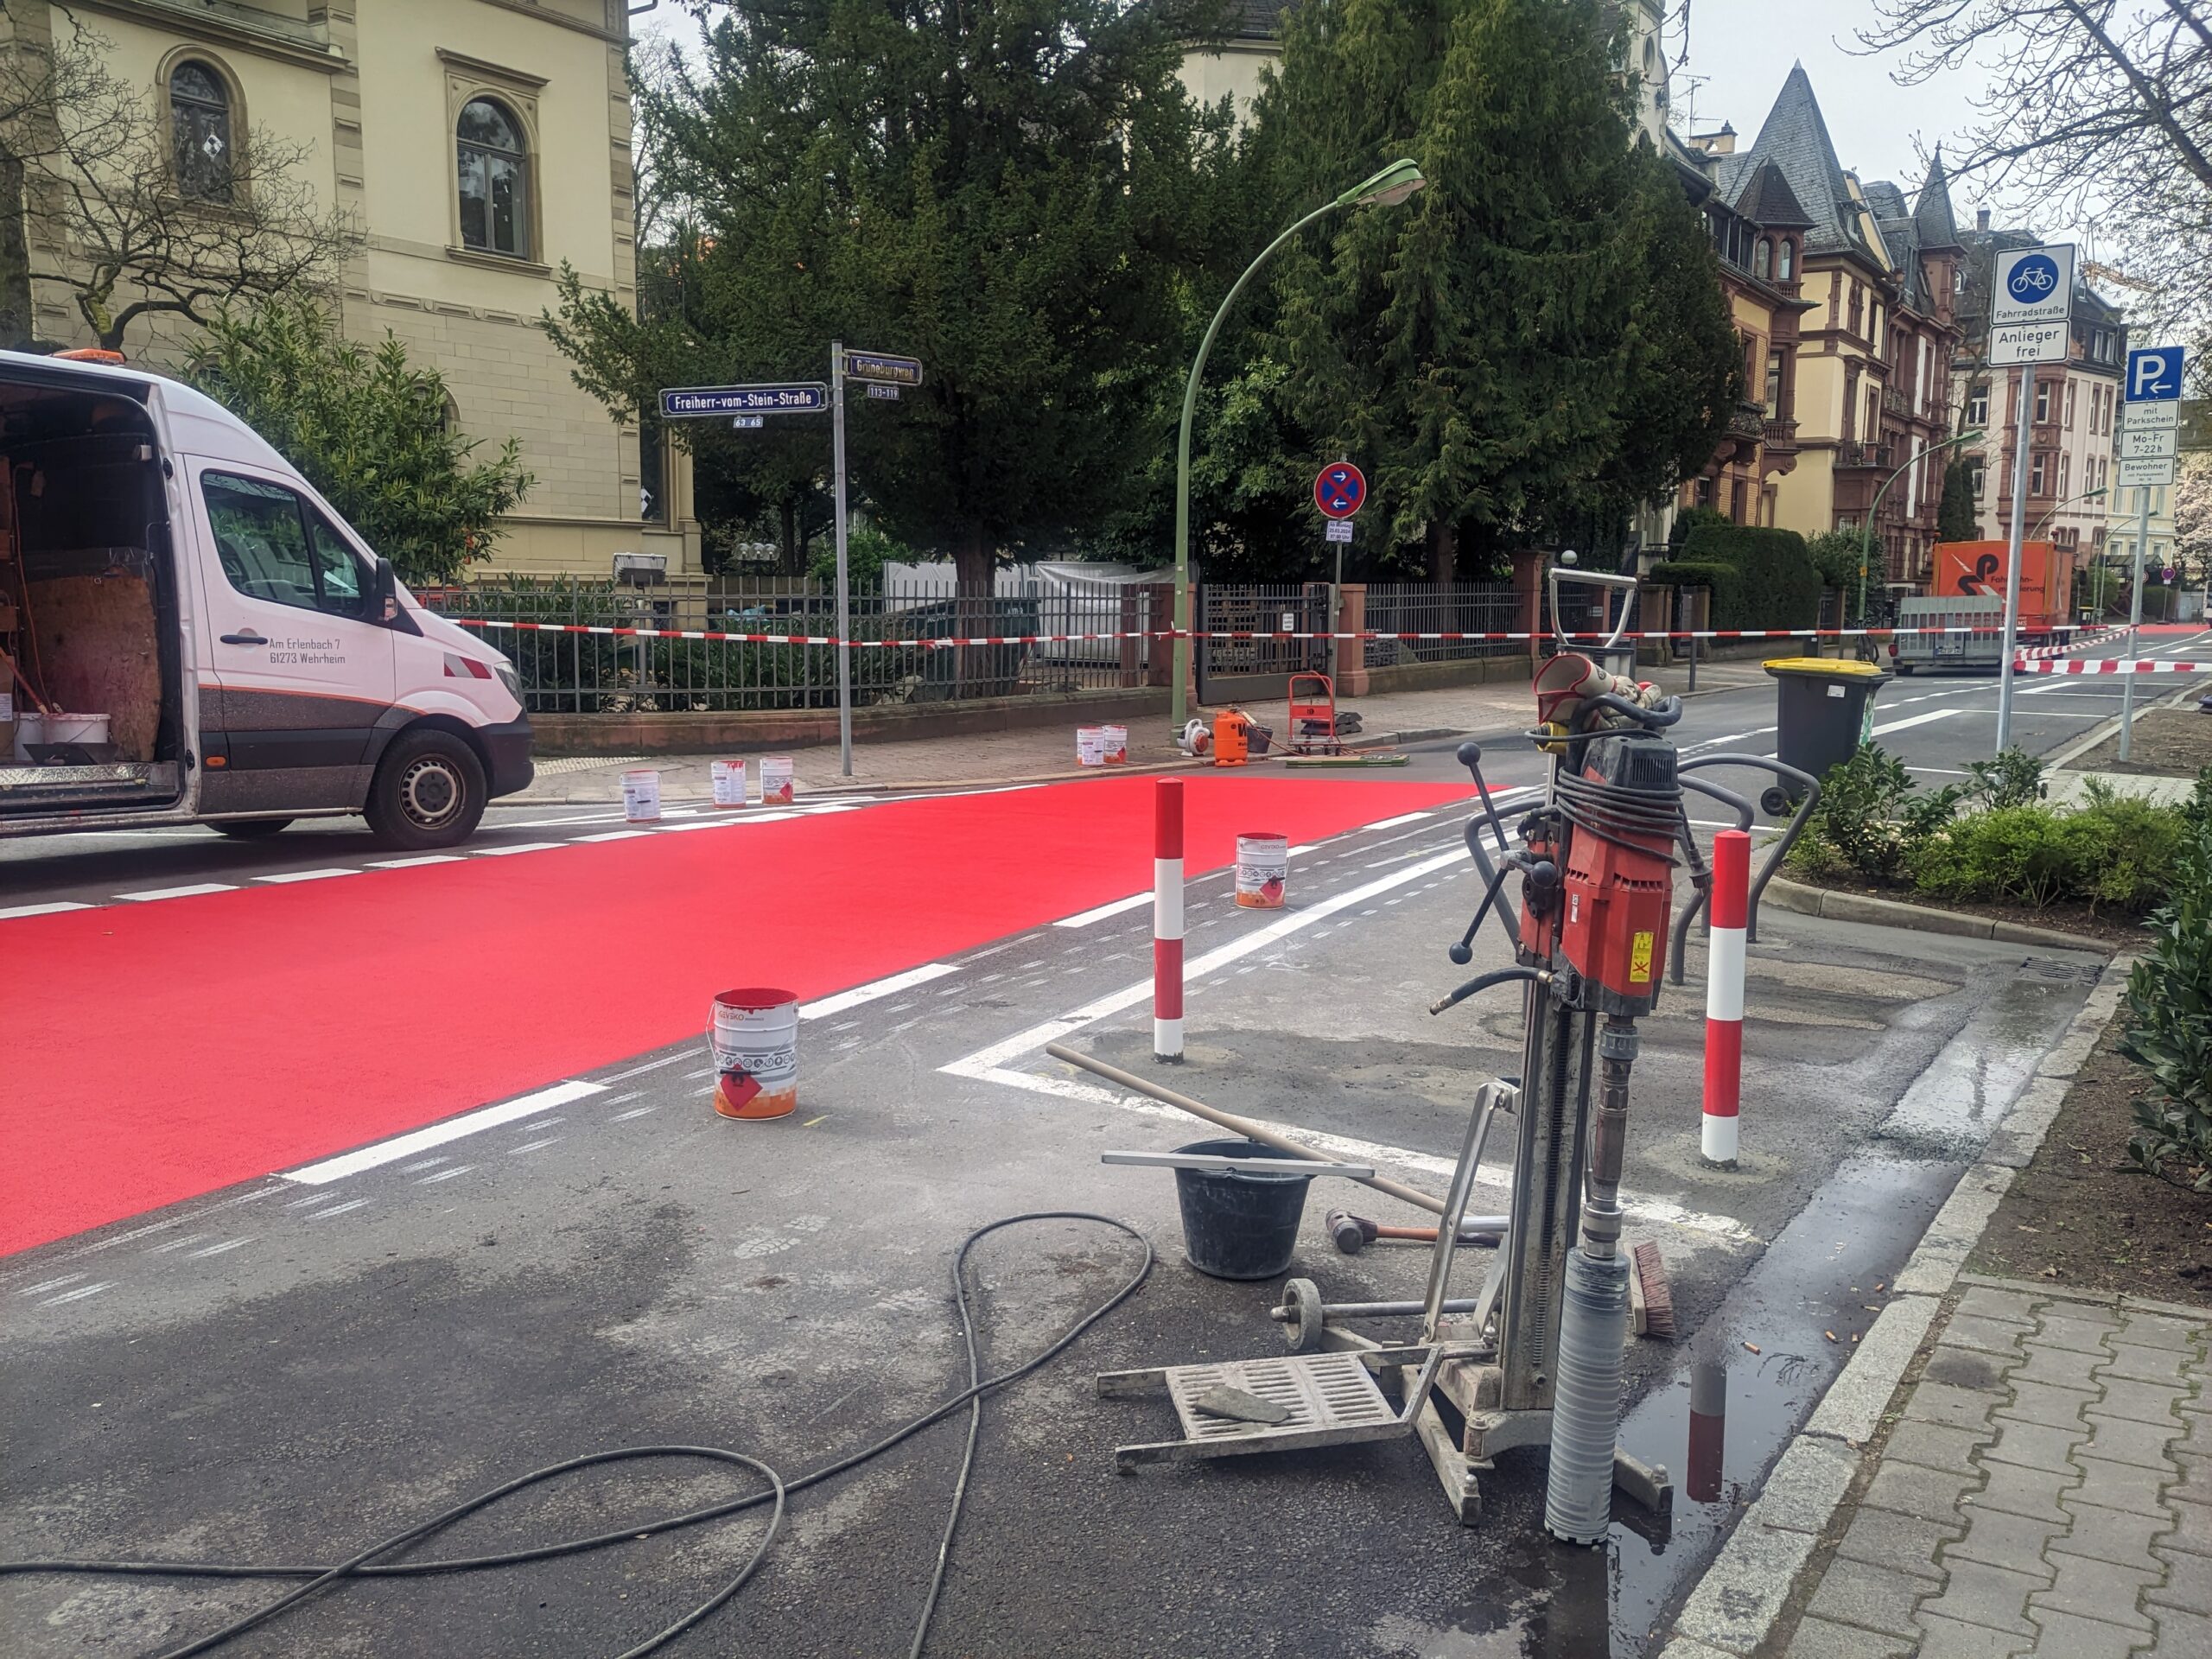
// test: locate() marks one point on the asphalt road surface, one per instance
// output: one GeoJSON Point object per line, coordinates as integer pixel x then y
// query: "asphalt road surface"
{"type": "Point", "coordinates": [283, 1366]}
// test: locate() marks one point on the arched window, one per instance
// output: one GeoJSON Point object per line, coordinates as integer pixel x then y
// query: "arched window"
{"type": "Point", "coordinates": [1785, 259]}
{"type": "Point", "coordinates": [494, 179]}
{"type": "Point", "coordinates": [1762, 257]}
{"type": "Point", "coordinates": [200, 119]}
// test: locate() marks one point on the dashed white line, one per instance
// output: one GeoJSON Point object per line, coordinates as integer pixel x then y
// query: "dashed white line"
{"type": "Point", "coordinates": [635, 1111]}
{"type": "Point", "coordinates": [532, 1146]}
{"type": "Point", "coordinates": [1403, 817]}
{"type": "Point", "coordinates": [1084, 918]}
{"type": "Point", "coordinates": [191, 892]}
{"type": "Point", "coordinates": [446, 1174]}
{"type": "Point", "coordinates": [520, 846]}
{"type": "Point", "coordinates": [338, 1209]}
{"type": "Point", "coordinates": [45, 1285]}
{"type": "Point", "coordinates": [15, 912]}
{"type": "Point", "coordinates": [79, 1295]}
{"type": "Point", "coordinates": [176, 1244]}
{"type": "Point", "coordinates": [287, 876]}
{"type": "Point", "coordinates": [223, 1248]}
{"type": "Point", "coordinates": [424, 1163]}
{"type": "Point", "coordinates": [406, 1145]}
{"type": "Point", "coordinates": [826, 1006]}
{"type": "Point", "coordinates": [617, 834]}
{"type": "Point", "coordinates": [416, 863]}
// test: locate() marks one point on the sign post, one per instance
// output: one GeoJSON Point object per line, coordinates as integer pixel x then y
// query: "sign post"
{"type": "Point", "coordinates": [882, 376]}
{"type": "Point", "coordinates": [2149, 437]}
{"type": "Point", "coordinates": [2031, 318]}
{"type": "Point", "coordinates": [1339, 491]}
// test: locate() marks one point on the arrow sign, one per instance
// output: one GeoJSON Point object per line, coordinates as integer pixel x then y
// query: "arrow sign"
{"type": "Point", "coordinates": [691, 402]}
{"type": "Point", "coordinates": [2154, 375]}
{"type": "Point", "coordinates": [1340, 490]}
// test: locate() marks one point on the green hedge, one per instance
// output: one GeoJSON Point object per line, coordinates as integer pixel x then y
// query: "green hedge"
{"type": "Point", "coordinates": [1759, 578]}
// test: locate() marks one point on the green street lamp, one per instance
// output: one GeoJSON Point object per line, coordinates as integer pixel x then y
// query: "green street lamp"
{"type": "Point", "coordinates": [2086, 495]}
{"type": "Point", "coordinates": [1867, 540]}
{"type": "Point", "coordinates": [1386, 190]}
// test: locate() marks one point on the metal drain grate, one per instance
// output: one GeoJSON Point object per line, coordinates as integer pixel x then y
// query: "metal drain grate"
{"type": "Point", "coordinates": [1321, 1391]}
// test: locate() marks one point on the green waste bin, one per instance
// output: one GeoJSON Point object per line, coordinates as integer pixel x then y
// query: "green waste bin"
{"type": "Point", "coordinates": [1826, 711]}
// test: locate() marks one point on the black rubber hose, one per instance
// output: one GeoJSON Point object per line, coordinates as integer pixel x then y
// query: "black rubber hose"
{"type": "Point", "coordinates": [363, 1564]}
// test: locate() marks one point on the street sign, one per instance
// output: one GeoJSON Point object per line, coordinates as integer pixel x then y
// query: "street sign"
{"type": "Point", "coordinates": [2133, 418]}
{"type": "Point", "coordinates": [894, 372]}
{"type": "Point", "coordinates": [2154, 376]}
{"type": "Point", "coordinates": [2172, 572]}
{"type": "Point", "coordinates": [888, 393]}
{"type": "Point", "coordinates": [690, 403]}
{"type": "Point", "coordinates": [1338, 530]}
{"type": "Point", "coordinates": [1340, 490]}
{"type": "Point", "coordinates": [2147, 473]}
{"type": "Point", "coordinates": [2032, 301]}
{"type": "Point", "coordinates": [2148, 442]}
{"type": "Point", "coordinates": [748, 423]}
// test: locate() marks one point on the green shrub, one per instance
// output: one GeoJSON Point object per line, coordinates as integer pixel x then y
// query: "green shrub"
{"type": "Point", "coordinates": [2130, 850]}
{"type": "Point", "coordinates": [1723, 581]}
{"type": "Point", "coordinates": [1778, 585]}
{"type": "Point", "coordinates": [2026, 853]}
{"type": "Point", "coordinates": [2013, 778]}
{"type": "Point", "coordinates": [1872, 818]}
{"type": "Point", "coordinates": [2169, 1017]}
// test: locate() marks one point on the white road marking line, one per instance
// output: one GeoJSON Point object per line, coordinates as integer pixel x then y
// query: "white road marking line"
{"type": "Point", "coordinates": [621, 1100]}
{"type": "Point", "coordinates": [705, 823]}
{"type": "Point", "coordinates": [1293, 852]}
{"type": "Point", "coordinates": [15, 912]}
{"type": "Point", "coordinates": [542, 1123]}
{"type": "Point", "coordinates": [826, 1006]}
{"type": "Point", "coordinates": [424, 1163]}
{"type": "Point", "coordinates": [520, 846]}
{"type": "Point", "coordinates": [1084, 918]}
{"type": "Point", "coordinates": [44, 1285]}
{"type": "Point", "coordinates": [446, 1174]}
{"type": "Point", "coordinates": [977, 956]}
{"type": "Point", "coordinates": [176, 1244]}
{"type": "Point", "coordinates": [532, 1146]}
{"type": "Point", "coordinates": [417, 862]}
{"type": "Point", "coordinates": [304, 875]}
{"type": "Point", "coordinates": [1052, 1031]}
{"type": "Point", "coordinates": [1403, 817]}
{"type": "Point", "coordinates": [704, 1071]}
{"type": "Point", "coordinates": [192, 892]}
{"type": "Point", "coordinates": [338, 1209]}
{"type": "Point", "coordinates": [406, 1145]}
{"type": "Point", "coordinates": [650, 1065]}
{"type": "Point", "coordinates": [206, 1209]}
{"type": "Point", "coordinates": [1932, 715]}
{"type": "Point", "coordinates": [79, 1295]}
{"type": "Point", "coordinates": [223, 1248]}
{"type": "Point", "coordinates": [616, 834]}
{"type": "Point", "coordinates": [1356, 1151]}
{"type": "Point", "coordinates": [635, 1111]}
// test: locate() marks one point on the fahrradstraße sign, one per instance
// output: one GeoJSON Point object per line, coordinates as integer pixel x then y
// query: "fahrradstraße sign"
{"type": "Point", "coordinates": [2030, 304]}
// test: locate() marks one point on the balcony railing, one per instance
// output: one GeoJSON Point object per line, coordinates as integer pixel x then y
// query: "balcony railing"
{"type": "Point", "coordinates": [1852, 453]}
{"type": "Point", "coordinates": [1782, 435]}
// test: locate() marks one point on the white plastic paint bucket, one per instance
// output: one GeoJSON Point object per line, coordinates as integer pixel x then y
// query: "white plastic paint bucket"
{"type": "Point", "coordinates": [1116, 745]}
{"type": "Point", "coordinates": [1091, 745]}
{"type": "Point", "coordinates": [776, 780]}
{"type": "Point", "coordinates": [641, 795]}
{"type": "Point", "coordinates": [729, 781]}
{"type": "Point", "coordinates": [755, 1042]}
{"type": "Point", "coordinates": [1263, 870]}
{"type": "Point", "coordinates": [57, 728]}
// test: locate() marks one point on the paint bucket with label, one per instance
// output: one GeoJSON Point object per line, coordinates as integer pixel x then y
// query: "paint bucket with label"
{"type": "Point", "coordinates": [641, 795]}
{"type": "Point", "coordinates": [730, 782]}
{"type": "Point", "coordinates": [755, 1043]}
{"type": "Point", "coordinates": [1091, 745]}
{"type": "Point", "coordinates": [775, 780]}
{"type": "Point", "coordinates": [1116, 745]}
{"type": "Point", "coordinates": [1263, 868]}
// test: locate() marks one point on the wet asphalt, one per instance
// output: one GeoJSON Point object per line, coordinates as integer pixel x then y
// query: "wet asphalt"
{"type": "Point", "coordinates": [279, 1373]}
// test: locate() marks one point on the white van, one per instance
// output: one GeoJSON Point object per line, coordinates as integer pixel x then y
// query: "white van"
{"type": "Point", "coordinates": [189, 634]}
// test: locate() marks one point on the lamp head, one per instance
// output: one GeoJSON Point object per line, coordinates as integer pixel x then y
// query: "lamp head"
{"type": "Point", "coordinates": [1387, 188]}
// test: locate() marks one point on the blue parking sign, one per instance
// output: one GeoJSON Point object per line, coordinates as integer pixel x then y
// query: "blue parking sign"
{"type": "Point", "coordinates": [2154, 374]}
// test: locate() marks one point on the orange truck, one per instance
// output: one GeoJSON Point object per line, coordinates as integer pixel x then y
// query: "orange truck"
{"type": "Point", "coordinates": [1959, 622]}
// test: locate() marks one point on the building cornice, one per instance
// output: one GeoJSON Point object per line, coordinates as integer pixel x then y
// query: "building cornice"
{"type": "Point", "coordinates": [232, 26]}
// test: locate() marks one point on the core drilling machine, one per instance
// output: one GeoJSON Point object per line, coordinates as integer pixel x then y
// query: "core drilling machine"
{"type": "Point", "coordinates": [1536, 1357]}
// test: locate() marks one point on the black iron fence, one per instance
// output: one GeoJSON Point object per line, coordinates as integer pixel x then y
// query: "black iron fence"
{"type": "Point", "coordinates": [1451, 608]}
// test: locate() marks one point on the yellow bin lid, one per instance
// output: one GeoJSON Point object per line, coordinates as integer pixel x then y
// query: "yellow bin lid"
{"type": "Point", "coordinates": [1850, 669]}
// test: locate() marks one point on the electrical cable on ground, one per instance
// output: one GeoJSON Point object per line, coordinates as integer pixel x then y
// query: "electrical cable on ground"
{"type": "Point", "coordinates": [363, 1564]}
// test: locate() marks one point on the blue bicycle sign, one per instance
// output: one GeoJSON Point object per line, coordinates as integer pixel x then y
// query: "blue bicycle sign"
{"type": "Point", "coordinates": [2033, 278]}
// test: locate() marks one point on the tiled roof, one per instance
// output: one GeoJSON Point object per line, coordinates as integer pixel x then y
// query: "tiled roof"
{"type": "Point", "coordinates": [1886, 199]}
{"type": "Point", "coordinates": [1259, 20]}
{"type": "Point", "coordinates": [1795, 139]}
{"type": "Point", "coordinates": [1767, 199]}
{"type": "Point", "coordinates": [1932, 214]}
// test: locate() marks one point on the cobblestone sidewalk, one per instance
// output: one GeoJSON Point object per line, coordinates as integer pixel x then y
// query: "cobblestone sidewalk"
{"type": "Point", "coordinates": [2045, 1488]}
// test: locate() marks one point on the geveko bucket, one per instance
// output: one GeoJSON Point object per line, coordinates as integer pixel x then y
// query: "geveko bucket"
{"type": "Point", "coordinates": [755, 1042]}
{"type": "Point", "coordinates": [1239, 1226]}
{"type": "Point", "coordinates": [1263, 870]}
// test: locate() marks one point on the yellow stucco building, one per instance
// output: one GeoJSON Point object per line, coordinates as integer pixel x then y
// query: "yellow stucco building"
{"type": "Point", "coordinates": [473, 147]}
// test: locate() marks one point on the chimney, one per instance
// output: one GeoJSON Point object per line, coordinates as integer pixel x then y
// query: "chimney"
{"type": "Point", "coordinates": [1981, 218]}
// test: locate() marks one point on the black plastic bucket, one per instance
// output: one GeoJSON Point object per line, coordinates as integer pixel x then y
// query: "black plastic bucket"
{"type": "Point", "coordinates": [1239, 1226]}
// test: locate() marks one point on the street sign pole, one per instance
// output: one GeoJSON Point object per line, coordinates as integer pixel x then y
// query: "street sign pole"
{"type": "Point", "coordinates": [2024, 434]}
{"type": "Point", "coordinates": [844, 586]}
{"type": "Point", "coordinates": [2134, 623]}
{"type": "Point", "coordinates": [2030, 321]}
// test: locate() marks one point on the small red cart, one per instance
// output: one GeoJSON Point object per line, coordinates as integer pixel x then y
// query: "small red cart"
{"type": "Point", "coordinates": [1313, 715]}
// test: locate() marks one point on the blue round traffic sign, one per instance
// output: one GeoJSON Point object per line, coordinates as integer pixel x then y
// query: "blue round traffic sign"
{"type": "Point", "coordinates": [2033, 279]}
{"type": "Point", "coordinates": [1339, 490]}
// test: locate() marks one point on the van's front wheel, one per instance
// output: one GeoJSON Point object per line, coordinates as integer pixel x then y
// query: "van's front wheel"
{"type": "Point", "coordinates": [428, 792]}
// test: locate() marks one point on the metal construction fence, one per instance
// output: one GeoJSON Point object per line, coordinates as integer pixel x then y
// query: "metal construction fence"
{"type": "Point", "coordinates": [589, 673]}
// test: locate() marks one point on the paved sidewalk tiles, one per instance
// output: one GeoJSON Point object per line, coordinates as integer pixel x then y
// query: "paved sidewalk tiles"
{"type": "Point", "coordinates": [2044, 1492]}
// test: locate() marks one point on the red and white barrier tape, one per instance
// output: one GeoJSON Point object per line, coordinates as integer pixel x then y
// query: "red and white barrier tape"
{"type": "Point", "coordinates": [2112, 665]}
{"type": "Point", "coordinates": [1233, 635]}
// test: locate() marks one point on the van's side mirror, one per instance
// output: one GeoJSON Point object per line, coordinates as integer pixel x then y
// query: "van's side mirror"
{"type": "Point", "coordinates": [384, 591]}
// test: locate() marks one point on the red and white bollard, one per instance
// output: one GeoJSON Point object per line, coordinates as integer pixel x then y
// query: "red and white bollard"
{"type": "Point", "coordinates": [1724, 993]}
{"type": "Point", "coordinates": [1167, 919]}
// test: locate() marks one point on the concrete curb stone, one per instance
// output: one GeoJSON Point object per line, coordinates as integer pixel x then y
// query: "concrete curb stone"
{"type": "Point", "coordinates": [1826, 902]}
{"type": "Point", "coordinates": [1742, 1592]}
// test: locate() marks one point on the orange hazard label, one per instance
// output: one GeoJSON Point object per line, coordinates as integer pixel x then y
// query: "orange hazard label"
{"type": "Point", "coordinates": [1639, 959]}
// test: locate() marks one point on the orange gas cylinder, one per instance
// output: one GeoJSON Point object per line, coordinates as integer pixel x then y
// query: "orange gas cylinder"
{"type": "Point", "coordinates": [1230, 743]}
